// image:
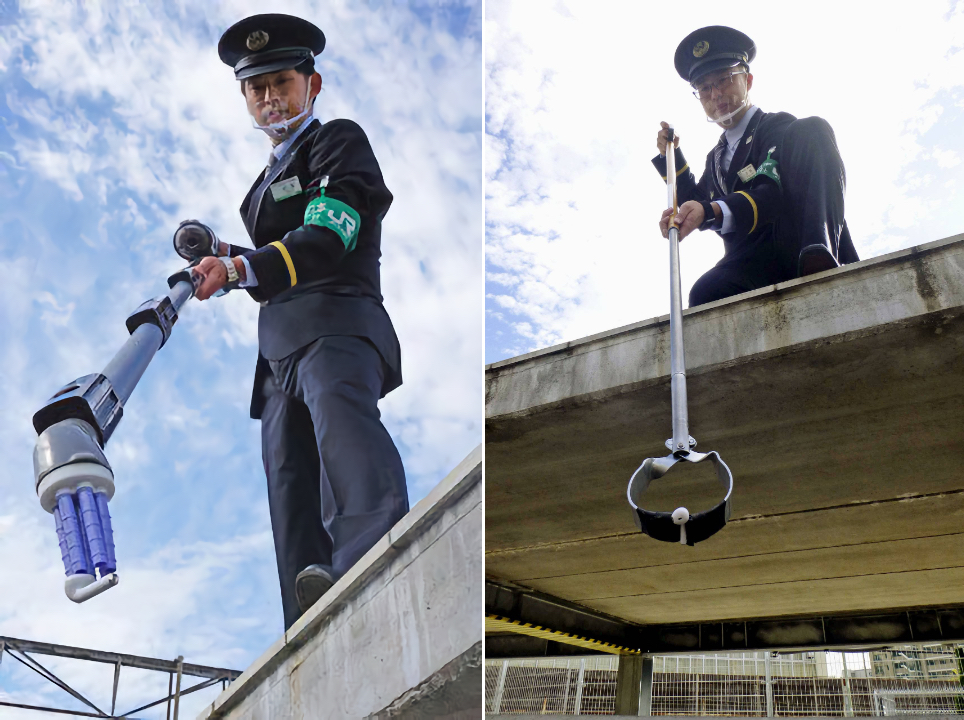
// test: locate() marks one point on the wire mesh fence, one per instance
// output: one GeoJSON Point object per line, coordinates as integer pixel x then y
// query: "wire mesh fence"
{"type": "Point", "coordinates": [568, 686]}
{"type": "Point", "coordinates": [906, 680]}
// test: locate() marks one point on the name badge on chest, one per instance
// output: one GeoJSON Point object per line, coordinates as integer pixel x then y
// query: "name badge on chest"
{"type": "Point", "coordinates": [746, 173]}
{"type": "Point", "coordinates": [286, 189]}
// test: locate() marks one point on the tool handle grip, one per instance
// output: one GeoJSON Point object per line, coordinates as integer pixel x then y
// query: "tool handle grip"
{"type": "Point", "coordinates": [670, 173]}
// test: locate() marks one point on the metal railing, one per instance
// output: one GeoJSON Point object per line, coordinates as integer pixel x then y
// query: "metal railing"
{"type": "Point", "coordinates": [896, 681]}
{"type": "Point", "coordinates": [23, 651]}
{"type": "Point", "coordinates": [569, 686]}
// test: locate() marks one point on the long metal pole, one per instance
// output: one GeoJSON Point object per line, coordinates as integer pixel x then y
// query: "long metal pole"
{"type": "Point", "coordinates": [577, 710]}
{"type": "Point", "coordinates": [111, 658]}
{"type": "Point", "coordinates": [769, 685]}
{"type": "Point", "coordinates": [113, 699]}
{"type": "Point", "coordinates": [848, 700]}
{"type": "Point", "coordinates": [126, 367]}
{"type": "Point", "coordinates": [681, 433]}
{"type": "Point", "coordinates": [499, 688]}
{"type": "Point", "coordinates": [177, 687]}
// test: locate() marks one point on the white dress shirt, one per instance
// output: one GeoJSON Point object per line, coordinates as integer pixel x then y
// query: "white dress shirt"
{"type": "Point", "coordinates": [733, 136]}
{"type": "Point", "coordinates": [277, 152]}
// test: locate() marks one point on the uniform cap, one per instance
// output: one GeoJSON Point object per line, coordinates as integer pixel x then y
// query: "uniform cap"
{"type": "Point", "coordinates": [269, 43]}
{"type": "Point", "coordinates": [712, 48]}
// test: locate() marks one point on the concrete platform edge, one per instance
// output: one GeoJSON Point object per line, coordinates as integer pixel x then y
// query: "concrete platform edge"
{"type": "Point", "coordinates": [446, 493]}
{"type": "Point", "coordinates": [896, 256]}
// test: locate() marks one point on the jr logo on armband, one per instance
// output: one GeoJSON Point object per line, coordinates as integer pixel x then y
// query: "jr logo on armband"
{"type": "Point", "coordinates": [336, 216]}
{"type": "Point", "coordinates": [768, 168]}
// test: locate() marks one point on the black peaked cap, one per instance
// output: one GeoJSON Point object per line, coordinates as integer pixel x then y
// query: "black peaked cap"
{"type": "Point", "coordinates": [712, 48]}
{"type": "Point", "coordinates": [269, 43]}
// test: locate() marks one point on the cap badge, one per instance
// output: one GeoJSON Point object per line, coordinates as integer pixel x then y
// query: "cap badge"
{"type": "Point", "coordinates": [257, 40]}
{"type": "Point", "coordinates": [699, 50]}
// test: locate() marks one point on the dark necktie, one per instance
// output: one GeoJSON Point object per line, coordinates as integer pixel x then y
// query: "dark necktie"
{"type": "Point", "coordinates": [718, 163]}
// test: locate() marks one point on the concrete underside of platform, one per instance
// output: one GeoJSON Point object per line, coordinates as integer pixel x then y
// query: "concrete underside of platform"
{"type": "Point", "coordinates": [837, 401]}
{"type": "Point", "coordinates": [549, 716]}
{"type": "Point", "coordinates": [400, 635]}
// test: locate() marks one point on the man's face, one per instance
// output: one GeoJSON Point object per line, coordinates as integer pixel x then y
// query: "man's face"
{"type": "Point", "coordinates": [274, 97]}
{"type": "Point", "coordinates": [723, 91]}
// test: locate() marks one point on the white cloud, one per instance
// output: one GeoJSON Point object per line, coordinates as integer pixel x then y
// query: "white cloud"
{"type": "Point", "coordinates": [945, 158]}
{"type": "Point", "coordinates": [574, 96]}
{"type": "Point", "coordinates": [119, 121]}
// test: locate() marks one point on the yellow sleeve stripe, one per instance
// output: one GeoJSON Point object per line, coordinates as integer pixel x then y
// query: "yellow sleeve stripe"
{"type": "Point", "coordinates": [680, 171]}
{"type": "Point", "coordinates": [753, 205]}
{"type": "Point", "coordinates": [291, 266]}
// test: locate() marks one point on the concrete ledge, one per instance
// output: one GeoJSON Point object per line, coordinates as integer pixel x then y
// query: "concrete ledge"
{"type": "Point", "coordinates": [406, 616]}
{"type": "Point", "coordinates": [836, 400]}
{"type": "Point", "coordinates": [539, 716]}
{"type": "Point", "coordinates": [855, 298]}
{"type": "Point", "coordinates": [454, 692]}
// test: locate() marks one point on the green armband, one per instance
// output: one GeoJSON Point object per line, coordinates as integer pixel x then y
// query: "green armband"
{"type": "Point", "coordinates": [768, 168]}
{"type": "Point", "coordinates": [334, 215]}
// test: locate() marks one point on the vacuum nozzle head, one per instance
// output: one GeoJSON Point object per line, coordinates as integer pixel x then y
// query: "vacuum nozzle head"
{"type": "Point", "coordinates": [194, 240]}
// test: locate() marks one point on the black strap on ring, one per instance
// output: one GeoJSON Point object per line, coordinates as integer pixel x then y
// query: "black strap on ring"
{"type": "Point", "coordinates": [688, 529]}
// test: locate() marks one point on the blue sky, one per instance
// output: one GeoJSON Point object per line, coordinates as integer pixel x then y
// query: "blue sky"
{"type": "Point", "coordinates": [575, 91]}
{"type": "Point", "coordinates": [118, 120]}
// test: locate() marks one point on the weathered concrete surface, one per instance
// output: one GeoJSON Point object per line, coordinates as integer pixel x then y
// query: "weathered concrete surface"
{"type": "Point", "coordinates": [399, 636]}
{"type": "Point", "coordinates": [552, 716]}
{"type": "Point", "coordinates": [838, 402]}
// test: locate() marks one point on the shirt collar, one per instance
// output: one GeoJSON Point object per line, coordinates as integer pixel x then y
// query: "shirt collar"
{"type": "Point", "coordinates": [734, 134]}
{"type": "Point", "coordinates": [280, 149]}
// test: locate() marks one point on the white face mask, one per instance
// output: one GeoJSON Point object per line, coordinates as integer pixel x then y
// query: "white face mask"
{"type": "Point", "coordinates": [281, 130]}
{"type": "Point", "coordinates": [727, 119]}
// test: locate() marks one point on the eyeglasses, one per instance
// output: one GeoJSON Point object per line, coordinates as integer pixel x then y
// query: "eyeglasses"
{"type": "Point", "coordinates": [703, 89]}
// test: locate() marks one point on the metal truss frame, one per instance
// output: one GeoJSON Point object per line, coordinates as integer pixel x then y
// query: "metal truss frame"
{"type": "Point", "coordinates": [558, 620]}
{"type": "Point", "coordinates": [176, 670]}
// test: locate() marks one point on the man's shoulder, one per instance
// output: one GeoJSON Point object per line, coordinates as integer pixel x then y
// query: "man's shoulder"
{"type": "Point", "coordinates": [338, 137]}
{"type": "Point", "coordinates": [340, 128]}
{"type": "Point", "coordinates": [775, 120]}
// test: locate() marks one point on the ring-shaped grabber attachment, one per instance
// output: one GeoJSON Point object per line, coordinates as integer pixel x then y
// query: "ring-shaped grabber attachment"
{"type": "Point", "coordinates": [680, 525]}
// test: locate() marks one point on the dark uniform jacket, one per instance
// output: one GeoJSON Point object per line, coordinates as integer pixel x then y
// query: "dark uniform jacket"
{"type": "Point", "coordinates": [312, 281]}
{"type": "Point", "coordinates": [764, 238]}
{"type": "Point", "coordinates": [754, 203]}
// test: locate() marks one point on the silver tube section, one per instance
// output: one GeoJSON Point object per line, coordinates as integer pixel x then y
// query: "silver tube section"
{"type": "Point", "coordinates": [126, 368]}
{"type": "Point", "coordinates": [677, 360]}
{"type": "Point", "coordinates": [129, 364]}
{"type": "Point", "coordinates": [180, 294]}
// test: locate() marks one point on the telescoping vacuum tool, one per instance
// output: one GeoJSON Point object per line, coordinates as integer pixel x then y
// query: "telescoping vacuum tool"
{"type": "Point", "coordinates": [73, 478]}
{"type": "Point", "coordinates": [678, 525]}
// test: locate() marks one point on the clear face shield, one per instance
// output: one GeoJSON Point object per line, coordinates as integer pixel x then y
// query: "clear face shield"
{"type": "Point", "coordinates": [722, 95]}
{"type": "Point", "coordinates": [273, 111]}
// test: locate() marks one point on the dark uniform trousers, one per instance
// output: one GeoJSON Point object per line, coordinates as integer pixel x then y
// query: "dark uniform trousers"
{"type": "Point", "coordinates": [810, 212]}
{"type": "Point", "coordinates": [328, 353]}
{"type": "Point", "coordinates": [321, 421]}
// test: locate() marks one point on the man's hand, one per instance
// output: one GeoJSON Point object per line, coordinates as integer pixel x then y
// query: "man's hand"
{"type": "Point", "coordinates": [688, 218]}
{"type": "Point", "coordinates": [214, 274]}
{"type": "Point", "coordinates": [663, 136]}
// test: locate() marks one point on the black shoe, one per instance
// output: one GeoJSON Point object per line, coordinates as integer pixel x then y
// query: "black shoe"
{"type": "Point", "coordinates": [311, 583]}
{"type": "Point", "coordinates": [814, 259]}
